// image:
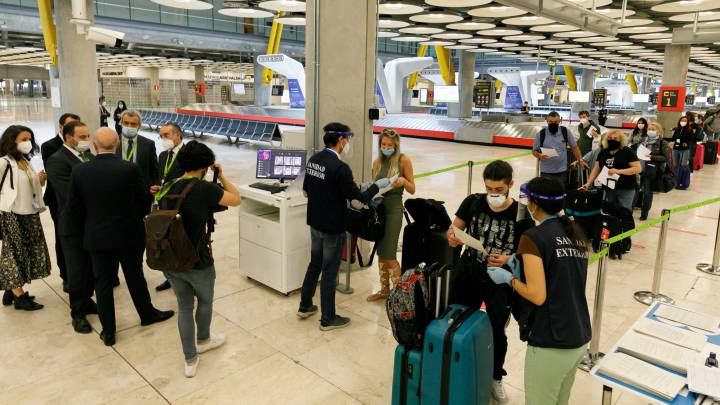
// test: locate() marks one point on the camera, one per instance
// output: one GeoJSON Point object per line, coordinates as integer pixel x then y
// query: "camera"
{"type": "Point", "coordinates": [105, 36]}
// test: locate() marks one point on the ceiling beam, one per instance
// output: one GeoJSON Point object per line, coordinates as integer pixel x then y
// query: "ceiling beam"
{"type": "Point", "coordinates": [690, 36]}
{"type": "Point", "coordinates": [566, 12]}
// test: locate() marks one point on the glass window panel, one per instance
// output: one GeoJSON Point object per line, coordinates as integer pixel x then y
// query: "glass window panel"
{"type": "Point", "coordinates": [113, 8]}
{"type": "Point", "coordinates": [200, 19]}
{"type": "Point", "coordinates": [173, 16]}
{"type": "Point", "coordinates": [145, 10]}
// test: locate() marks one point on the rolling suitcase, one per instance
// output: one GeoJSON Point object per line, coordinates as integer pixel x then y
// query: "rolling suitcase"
{"type": "Point", "coordinates": [423, 244]}
{"type": "Point", "coordinates": [457, 358]}
{"type": "Point", "coordinates": [711, 152]}
{"type": "Point", "coordinates": [406, 376]}
{"type": "Point", "coordinates": [699, 158]}
{"type": "Point", "coordinates": [584, 206]}
{"type": "Point", "coordinates": [683, 180]}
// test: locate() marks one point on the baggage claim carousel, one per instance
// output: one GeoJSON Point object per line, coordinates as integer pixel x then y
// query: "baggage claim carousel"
{"type": "Point", "coordinates": [501, 130]}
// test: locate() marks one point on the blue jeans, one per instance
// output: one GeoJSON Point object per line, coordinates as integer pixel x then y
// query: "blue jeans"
{"type": "Point", "coordinates": [623, 198]}
{"type": "Point", "coordinates": [187, 285]}
{"type": "Point", "coordinates": [325, 256]}
{"type": "Point", "coordinates": [680, 158]}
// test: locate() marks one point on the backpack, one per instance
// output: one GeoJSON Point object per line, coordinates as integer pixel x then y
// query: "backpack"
{"type": "Point", "coordinates": [167, 245]}
{"type": "Point", "coordinates": [563, 130]}
{"type": "Point", "coordinates": [428, 213]}
{"type": "Point", "coordinates": [410, 304]}
{"type": "Point", "coordinates": [367, 222]}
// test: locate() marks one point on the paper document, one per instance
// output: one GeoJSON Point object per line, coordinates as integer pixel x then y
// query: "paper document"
{"type": "Point", "coordinates": [677, 336]}
{"type": "Point", "coordinates": [384, 190]}
{"type": "Point", "coordinates": [549, 152]}
{"type": "Point", "coordinates": [607, 180]}
{"type": "Point", "coordinates": [658, 352]}
{"type": "Point", "coordinates": [469, 240]}
{"type": "Point", "coordinates": [645, 376]}
{"type": "Point", "coordinates": [643, 153]}
{"type": "Point", "coordinates": [701, 321]}
{"type": "Point", "coordinates": [704, 380]}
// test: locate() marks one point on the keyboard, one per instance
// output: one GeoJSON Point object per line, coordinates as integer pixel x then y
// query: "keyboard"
{"type": "Point", "coordinates": [272, 188]}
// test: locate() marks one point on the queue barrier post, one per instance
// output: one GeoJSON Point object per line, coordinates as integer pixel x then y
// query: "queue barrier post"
{"type": "Point", "coordinates": [537, 167]}
{"type": "Point", "coordinates": [593, 354]}
{"type": "Point", "coordinates": [470, 175]}
{"type": "Point", "coordinates": [346, 289]}
{"type": "Point", "coordinates": [714, 267]}
{"type": "Point", "coordinates": [648, 297]}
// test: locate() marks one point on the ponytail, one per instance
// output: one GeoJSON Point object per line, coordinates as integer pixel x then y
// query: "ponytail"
{"type": "Point", "coordinates": [574, 232]}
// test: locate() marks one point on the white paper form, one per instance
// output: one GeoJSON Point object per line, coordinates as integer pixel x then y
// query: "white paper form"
{"type": "Point", "coordinates": [607, 180]}
{"type": "Point", "coordinates": [643, 153]}
{"type": "Point", "coordinates": [469, 240]}
{"type": "Point", "coordinates": [549, 152]}
{"type": "Point", "coordinates": [658, 352]}
{"type": "Point", "coordinates": [638, 373]}
{"type": "Point", "coordinates": [671, 334]}
{"type": "Point", "coordinates": [689, 318]}
{"type": "Point", "coordinates": [384, 190]}
{"type": "Point", "coordinates": [704, 380]}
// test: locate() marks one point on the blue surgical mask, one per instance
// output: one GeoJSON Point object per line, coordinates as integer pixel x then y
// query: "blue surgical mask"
{"type": "Point", "coordinates": [387, 152]}
{"type": "Point", "coordinates": [129, 132]}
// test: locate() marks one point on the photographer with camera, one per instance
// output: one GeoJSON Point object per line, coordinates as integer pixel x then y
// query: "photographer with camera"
{"type": "Point", "coordinates": [199, 199]}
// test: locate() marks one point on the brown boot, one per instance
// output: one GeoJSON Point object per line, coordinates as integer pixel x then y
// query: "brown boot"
{"type": "Point", "coordinates": [384, 286]}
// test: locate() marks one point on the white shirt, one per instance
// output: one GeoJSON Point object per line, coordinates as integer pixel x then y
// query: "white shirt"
{"type": "Point", "coordinates": [25, 193]}
{"type": "Point", "coordinates": [333, 151]}
{"type": "Point", "coordinates": [126, 147]}
{"type": "Point", "coordinates": [74, 152]}
{"type": "Point", "coordinates": [176, 149]}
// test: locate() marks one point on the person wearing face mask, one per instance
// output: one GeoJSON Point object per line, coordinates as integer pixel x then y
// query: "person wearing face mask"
{"type": "Point", "coordinates": [135, 148]}
{"type": "Point", "coordinates": [197, 283]}
{"type": "Point", "coordinates": [171, 137]}
{"type": "Point", "coordinates": [329, 185]}
{"type": "Point", "coordinates": [551, 282]}
{"type": "Point", "coordinates": [652, 169]}
{"type": "Point", "coordinates": [680, 142]}
{"type": "Point", "coordinates": [561, 140]}
{"type": "Point", "coordinates": [104, 212]}
{"type": "Point", "coordinates": [117, 114]}
{"type": "Point", "coordinates": [391, 163]}
{"type": "Point", "coordinates": [75, 151]}
{"type": "Point", "coordinates": [24, 255]}
{"type": "Point", "coordinates": [104, 113]}
{"type": "Point", "coordinates": [639, 133]}
{"type": "Point", "coordinates": [696, 124]}
{"type": "Point", "coordinates": [620, 160]}
{"type": "Point", "coordinates": [589, 133]}
{"type": "Point", "coordinates": [491, 218]}
{"type": "Point", "coordinates": [47, 149]}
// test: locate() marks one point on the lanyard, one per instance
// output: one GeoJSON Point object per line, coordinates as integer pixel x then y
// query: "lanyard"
{"type": "Point", "coordinates": [166, 188]}
{"type": "Point", "coordinates": [129, 156]}
{"type": "Point", "coordinates": [168, 164]}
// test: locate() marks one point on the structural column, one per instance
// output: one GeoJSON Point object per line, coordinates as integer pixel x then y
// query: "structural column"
{"type": "Point", "coordinates": [262, 91]}
{"type": "Point", "coordinates": [588, 80]}
{"type": "Point", "coordinates": [155, 87]}
{"type": "Point", "coordinates": [341, 80]}
{"type": "Point", "coordinates": [675, 67]}
{"type": "Point", "coordinates": [467, 82]}
{"type": "Point", "coordinates": [199, 79]}
{"type": "Point", "coordinates": [77, 67]}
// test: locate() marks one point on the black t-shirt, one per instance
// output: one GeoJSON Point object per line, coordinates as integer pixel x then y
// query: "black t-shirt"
{"type": "Point", "coordinates": [620, 160]}
{"type": "Point", "coordinates": [195, 211]}
{"type": "Point", "coordinates": [496, 230]}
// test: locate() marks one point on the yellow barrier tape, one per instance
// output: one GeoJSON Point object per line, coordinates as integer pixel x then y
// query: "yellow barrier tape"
{"type": "Point", "coordinates": [481, 162]}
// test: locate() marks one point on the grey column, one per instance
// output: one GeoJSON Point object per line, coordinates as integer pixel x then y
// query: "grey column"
{"type": "Point", "coordinates": [199, 79]}
{"type": "Point", "coordinates": [155, 87]}
{"type": "Point", "coordinates": [345, 89]}
{"type": "Point", "coordinates": [588, 80]}
{"type": "Point", "coordinates": [675, 67]}
{"type": "Point", "coordinates": [463, 109]}
{"type": "Point", "coordinates": [77, 67]}
{"type": "Point", "coordinates": [262, 91]}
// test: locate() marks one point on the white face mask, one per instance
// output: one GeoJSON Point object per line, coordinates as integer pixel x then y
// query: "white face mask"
{"type": "Point", "coordinates": [168, 144]}
{"type": "Point", "coordinates": [129, 132]}
{"type": "Point", "coordinates": [584, 121]}
{"type": "Point", "coordinates": [652, 134]}
{"type": "Point", "coordinates": [496, 200]}
{"type": "Point", "coordinates": [641, 126]}
{"type": "Point", "coordinates": [683, 123]}
{"type": "Point", "coordinates": [25, 147]}
{"type": "Point", "coordinates": [83, 146]}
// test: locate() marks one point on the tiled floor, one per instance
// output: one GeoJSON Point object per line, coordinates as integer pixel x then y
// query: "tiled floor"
{"type": "Point", "coordinates": [271, 357]}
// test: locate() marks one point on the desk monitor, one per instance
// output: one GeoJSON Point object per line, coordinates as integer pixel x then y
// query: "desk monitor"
{"type": "Point", "coordinates": [279, 164]}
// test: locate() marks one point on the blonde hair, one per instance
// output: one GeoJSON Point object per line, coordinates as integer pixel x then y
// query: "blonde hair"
{"type": "Point", "coordinates": [621, 135]}
{"type": "Point", "coordinates": [660, 129]}
{"type": "Point", "coordinates": [393, 159]}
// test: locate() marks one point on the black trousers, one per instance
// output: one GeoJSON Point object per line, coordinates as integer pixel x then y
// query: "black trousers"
{"type": "Point", "coordinates": [105, 270]}
{"type": "Point", "coordinates": [59, 253]}
{"type": "Point", "coordinates": [81, 282]}
{"type": "Point", "coordinates": [470, 286]}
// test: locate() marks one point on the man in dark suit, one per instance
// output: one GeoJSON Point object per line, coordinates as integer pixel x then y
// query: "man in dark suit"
{"type": "Point", "coordinates": [59, 167]}
{"type": "Point", "coordinates": [106, 205]}
{"type": "Point", "coordinates": [171, 136]}
{"type": "Point", "coordinates": [137, 149]}
{"type": "Point", "coordinates": [47, 149]}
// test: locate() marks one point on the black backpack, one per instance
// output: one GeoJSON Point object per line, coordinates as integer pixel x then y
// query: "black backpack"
{"type": "Point", "coordinates": [563, 130]}
{"type": "Point", "coordinates": [428, 213]}
{"type": "Point", "coordinates": [366, 223]}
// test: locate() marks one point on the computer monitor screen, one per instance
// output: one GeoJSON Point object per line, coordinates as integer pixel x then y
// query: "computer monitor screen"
{"type": "Point", "coordinates": [279, 164]}
{"type": "Point", "coordinates": [579, 96]}
{"type": "Point", "coordinates": [447, 94]}
{"type": "Point", "coordinates": [641, 98]}
{"type": "Point", "coordinates": [239, 89]}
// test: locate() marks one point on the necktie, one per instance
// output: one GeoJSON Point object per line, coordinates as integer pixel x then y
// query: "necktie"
{"type": "Point", "coordinates": [130, 150]}
{"type": "Point", "coordinates": [170, 157]}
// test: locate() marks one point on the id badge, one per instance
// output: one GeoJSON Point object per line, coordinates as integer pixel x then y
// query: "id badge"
{"type": "Point", "coordinates": [35, 205]}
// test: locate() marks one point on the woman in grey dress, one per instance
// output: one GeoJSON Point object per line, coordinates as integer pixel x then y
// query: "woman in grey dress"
{"type": "Point", "coordinates": [390, 163]}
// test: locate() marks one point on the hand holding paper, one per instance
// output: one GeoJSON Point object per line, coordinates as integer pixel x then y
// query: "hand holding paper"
{"type": "Point", "coordinates": [549, 152]}
{"type": "Point", "coordinates": [643, 153]}
{"type": "Point", "coordinates": [468, 240]}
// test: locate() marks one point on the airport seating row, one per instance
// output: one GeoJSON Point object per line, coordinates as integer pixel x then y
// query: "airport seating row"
{"type": "Point", "coordinates": [236, 130]}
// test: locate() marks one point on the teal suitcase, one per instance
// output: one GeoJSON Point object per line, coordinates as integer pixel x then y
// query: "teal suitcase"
{"type": "Point", "coordinates": [406, 376]}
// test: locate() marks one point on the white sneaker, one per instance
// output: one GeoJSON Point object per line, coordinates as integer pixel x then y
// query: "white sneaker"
{"type": "Point", "coordinates": [191, 369]}
{"type": "Point", "coordinates": [498, 392]}
{"type": "Point", "coordinates": [214, 342]}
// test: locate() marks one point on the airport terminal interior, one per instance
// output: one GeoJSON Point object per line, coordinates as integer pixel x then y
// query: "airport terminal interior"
{"type": "Point", "coordinates": [463, 83]}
